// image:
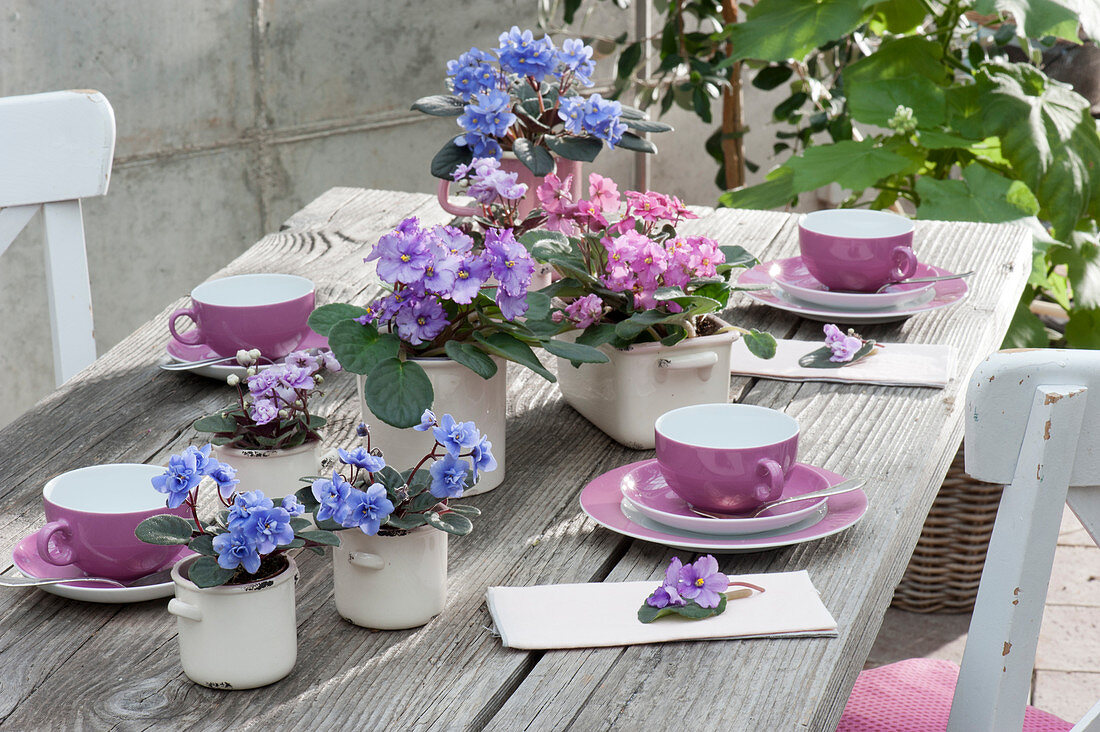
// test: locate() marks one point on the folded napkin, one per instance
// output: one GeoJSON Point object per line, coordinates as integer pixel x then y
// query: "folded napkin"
{"type": "Point", "coordinates": [606, 614]}
{"type": "Point", "coordinates": [895, 364]}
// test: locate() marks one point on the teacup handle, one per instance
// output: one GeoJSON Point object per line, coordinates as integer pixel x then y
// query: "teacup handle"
{"type": "Point", "coordinates": [444, 201]}
{"type": "Point", "coordinates": [772, 486]}
{"type": "Point", "coordinates": [190, 338]}
{"type": "Point", "coordinates": [905, 263]}
{"type": "Point", "coordinates": [60, 553]}
{"type": "Point", "coordinates": [365, 560]}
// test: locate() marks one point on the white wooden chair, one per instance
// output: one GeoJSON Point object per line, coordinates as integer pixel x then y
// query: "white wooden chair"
{"type": "Point", "coordinates": [55, 149]}
{"type": "Point", "coordinates": [1032, 423]}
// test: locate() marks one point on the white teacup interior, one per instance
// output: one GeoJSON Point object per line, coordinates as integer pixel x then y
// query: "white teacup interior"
{"type": "Point", "coordinates": [119, 488]}
{"type": "Point", "coordinates": [856, 223]}
{"type": "Point", "coordinates": [726, 426]}
{"type": "Point", "coordinates": [252, 290]}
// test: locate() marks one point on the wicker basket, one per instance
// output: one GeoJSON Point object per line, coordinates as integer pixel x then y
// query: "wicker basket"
{"type": "Point", "coordinates": [946, 567]}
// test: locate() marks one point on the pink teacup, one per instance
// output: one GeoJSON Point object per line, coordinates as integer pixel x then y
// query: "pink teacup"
{"type": "Point", "coordinates": [264, 311]}
{"type": "Point", "coordinates": [92, 514]}
{"type": "Point", "coordinates": [726, 458]}
{"type": "Point", "coordinates": [857, 250]}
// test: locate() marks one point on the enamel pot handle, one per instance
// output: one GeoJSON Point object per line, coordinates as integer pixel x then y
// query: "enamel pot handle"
{"type": "Point", "coordinates": [60, 553]}
{"type": "Point", "coordinates": [689, 361]}
{"type": "Point", "coordinates": [445, 203]}
{"type": "Point", "coordinates": [772, 479]}
{"type": "Point", "coordinates": [364, 560]}
{"type": "Point", "coordinates": [183, 609]}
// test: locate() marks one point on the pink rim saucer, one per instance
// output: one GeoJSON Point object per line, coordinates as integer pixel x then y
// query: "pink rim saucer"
{"type": "Point", "coordinates": [26, 560]}
{"type": "Point", "coordinates": [941, 294]}
{"type": "Point", "coordinates": [646, 489]}
{"type": "Point", "coordinates": [180, 352]}
{"type": "Point", "coordinates": [603, 501]}
{"type": "Point", "coordinates": [792, 276]}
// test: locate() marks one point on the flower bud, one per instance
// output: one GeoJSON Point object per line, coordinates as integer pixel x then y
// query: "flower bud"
{"type": "Point", "coordinates": [233, 379]}
{"type": "Point", "coordinates": [318, 379]}
{"type": "Point", "coordinates": [252, 370]}
{"type": "Point", "coordinates": [255, 354]}
{"type": "Point", "coordinates": [361, 429]}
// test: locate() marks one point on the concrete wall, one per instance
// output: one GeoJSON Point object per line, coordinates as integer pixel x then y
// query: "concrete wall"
{"type": "Point", "coordinates": [232, 115]}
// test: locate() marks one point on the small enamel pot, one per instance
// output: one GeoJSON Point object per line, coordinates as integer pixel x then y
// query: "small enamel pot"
{"type": "Point", "coordinates": [390, 582]}
{"type": "Point", "coordinates": [275, 472]}
{"type": "Point", "coordinates": [215, 651]}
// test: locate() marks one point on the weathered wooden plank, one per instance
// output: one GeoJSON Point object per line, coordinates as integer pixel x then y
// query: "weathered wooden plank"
{"type": "Point", "coordinates": [452, 673]}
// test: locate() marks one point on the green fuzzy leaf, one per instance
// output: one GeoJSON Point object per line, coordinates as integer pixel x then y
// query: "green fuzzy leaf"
{"type": "Point", "coordinates": [537, 158]}
{"type": "Point", "coordinates": [424, 501]}
{"type": "Point", "coordinates": [390, 478]}
{"type": "Point", "coordinates": [452, 523]}
{"type": "Point", "coordinates": [692, 610]}
{"type": "Point", "coordinates": [471, 357]}
{"type": "Point", "coordinates": [544, 244]}
{"type": "Point", "coordinates": [630, 141]}
{"type": "Point", "coordinates": [165, 529]}
{"type": "Point", "coordinates": [645, 125]}
{"type": "Point", "coordinates": [407, 522]}
{"type": "Point", "coordinates": [306, 498]}
{"type": "Point", "coordinates": [323, 318]}
{"type": "Point", "coordinates": [805, 26]}
{"type": "Point", "coordinates": [294, 544]}
{"type": "Point", "coordinates": [632, 112]}
{"type": "Point", "coordinates": [854, 165]}
{"type": "Point", "coordinates": [464, 510]}
{"type": "Point", "coordinates": [583, 149]}
{"type": "Point", "coordinates": [631, 327]}
{"type": "Point", "coordinates": [318, 550]}
{"type": "Point", "coordinates": [398, 392]}
{"type": "Point", "coordinates": [301, 524]}
{"type": "Point", "coordinates": [576, 352]}
{"type": "Point", "coordinates": [737, 256]}
{"type": "Point", "coordinates": [360, 348]}
{"type": "Point", "coordinates": [440, 105]}
{"type": "Point", "coordinates": [203, 544]}
{"type": "Point", "coordinates": [717, 291]}
{"type": "Point", "coordinates": [215, 423]}
{"type": "Point", "coordinates": [205, 572]}
{"type": "Point", "coordinates": [761, 345]}
{"type": "Point", "coordinates": [981, 195]}
{"type": "Point", "coordinates": [538, 306]}
{"type": "Point", "coordinates": [819, 358]}
{"type": "Point", "coordinates": [449, 157]}
{"type": "Point", "coordinates": [597, 334]}
{"type": "Point", "coordinates": [328, 538]}
{"type": "Point", "coordinates": [513, 349]}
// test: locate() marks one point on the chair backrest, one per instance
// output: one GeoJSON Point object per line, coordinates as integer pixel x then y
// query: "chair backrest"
{"type": "Point", "coordinates": [56, 148]}
{"type": "Point", "coordinates": [1030, 423]}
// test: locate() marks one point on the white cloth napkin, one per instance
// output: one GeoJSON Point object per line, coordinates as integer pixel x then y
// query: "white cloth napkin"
{"type": "Point", "coordinates": [895, 364]}
{"type": "Point", "coordinates": [606, 614]}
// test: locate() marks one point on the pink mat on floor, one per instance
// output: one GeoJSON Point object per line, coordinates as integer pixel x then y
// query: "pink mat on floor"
{"type": "Point", "coordinates": [915, 696]}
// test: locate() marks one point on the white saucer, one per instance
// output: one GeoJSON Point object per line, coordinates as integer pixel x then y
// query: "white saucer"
{"type": "Point", "coordinates": [940, 295]}
{"type": "Point", "coordinates": [792, 276]}
{"type": "Point", "coordinates": [181, 353]}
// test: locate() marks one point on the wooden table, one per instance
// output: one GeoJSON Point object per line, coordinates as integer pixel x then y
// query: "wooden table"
{"type": "Point", "coordinates": [70, 664]}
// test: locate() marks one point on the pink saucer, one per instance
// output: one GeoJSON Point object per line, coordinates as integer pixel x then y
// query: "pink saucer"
{"type": "Point", "coordinates": [181, 352]}
{"type": "Point", "coordinates": [645, 487]}
{"type": "Point", "coordinates": [768, 292]}
{"type": "Point", "coordinates": [603, 501]}
{"type": "Point", "coordinates": [26, 560]}
{"type": "Point", "coordinates": [792, 276]}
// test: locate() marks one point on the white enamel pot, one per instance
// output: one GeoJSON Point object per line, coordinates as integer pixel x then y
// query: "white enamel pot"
{"type": "Point", "coordinates": [625, 396]}
{"type": "Point", "coordinates": [390, 582]}
{"type": "Point", "coordinates": [236, 636]}
{"type": "Point", "coordinates": [458, 392]}
{"type": "Point", "coordinates": [275, 472]}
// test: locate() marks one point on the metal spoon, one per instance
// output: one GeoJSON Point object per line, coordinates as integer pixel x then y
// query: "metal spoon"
{"type": "Point", "coordinates": [156, 578]}
{"type": "Point", "coordinates": [925, 279]}
{"type": "Point", "coordinates": [188, 365]}
{"type": "Point", "coordinates": [845, 487]}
